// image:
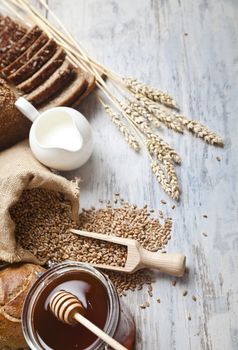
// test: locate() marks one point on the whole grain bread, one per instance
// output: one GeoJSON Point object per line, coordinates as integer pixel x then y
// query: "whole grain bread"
{"type": "Point", "coordinates": [91, 81]}
{"type": "Point", "coordinates": [15, 282]}
{"type": "Point", "coordinates": [4, 21]}
{"type": "Point", "coordinates": [11, 33]}
{"type": "Point", "coordinates": [70, 93]}
{"type": "Point", "coordinates": [14, 126]}
{"type": "Point", "coordinates": [43, 73]}
{"type": "Point", "coordinates": [57, 82]}
{"type": "Point", "coordinates": [25, 57]}
{"type": "Point", "coordinates": [20, 46]}
{"type": "Point", "coordinates": [34, 64]}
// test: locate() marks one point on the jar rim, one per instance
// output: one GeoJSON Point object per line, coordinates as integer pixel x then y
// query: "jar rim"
{"type": "Point", "coordinates": [56, 271]}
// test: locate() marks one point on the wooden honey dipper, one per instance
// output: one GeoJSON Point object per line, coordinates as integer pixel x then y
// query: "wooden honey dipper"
{"type": "Point", "coordinates": [68, 309]}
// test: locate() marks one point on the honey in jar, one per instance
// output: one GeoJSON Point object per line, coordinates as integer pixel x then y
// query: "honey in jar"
{"type": "Point", "coordinates": [43, 331]}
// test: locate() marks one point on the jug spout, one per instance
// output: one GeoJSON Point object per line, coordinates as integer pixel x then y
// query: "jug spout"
{"type": "Point", "coordinates": [27, 109]}
{"type": "Point", "coordinates": [76, 143]}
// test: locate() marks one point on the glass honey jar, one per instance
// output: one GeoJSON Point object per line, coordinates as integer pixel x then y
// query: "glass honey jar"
{"type": "Point", "coordinates": [43, 331]}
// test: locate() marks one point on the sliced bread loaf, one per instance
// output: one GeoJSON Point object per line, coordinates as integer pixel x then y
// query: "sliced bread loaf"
{"type": "Point", "coordinates": [26, 56]}
{"type": "Point", "coordinates": [11, 33]}
{"type": "Point", "coordinates": [20, 46]}
{"type": "Point", "coordinates": [61, 77]}
{"type": "Point", "coordinates": [4, 21]}
{"type": "Point", "coordinates": [91, 81]}
{"type": "Point", "coordinates": [34, 64]}
{"type": "Point", "coordinates": [43, 73]}
{"type": "Point", "coordinates": [70, 93]}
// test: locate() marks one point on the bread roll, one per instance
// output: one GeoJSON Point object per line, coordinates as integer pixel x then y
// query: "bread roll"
{"type": "Point", "coordinates": [15, 282]}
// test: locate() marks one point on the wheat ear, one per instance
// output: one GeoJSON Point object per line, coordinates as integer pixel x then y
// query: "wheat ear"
{"type": "Point", "coordinates": [151, 93]}
{"type": "Point", "coordinates": [201, 131]}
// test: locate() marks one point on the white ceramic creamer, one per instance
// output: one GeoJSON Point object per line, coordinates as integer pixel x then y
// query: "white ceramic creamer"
{"type": "Point", "coordinates": [60, 138]}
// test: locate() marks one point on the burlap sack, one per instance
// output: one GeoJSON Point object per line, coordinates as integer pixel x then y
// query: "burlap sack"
{"type": "Point", "coordinates": [19, 170]}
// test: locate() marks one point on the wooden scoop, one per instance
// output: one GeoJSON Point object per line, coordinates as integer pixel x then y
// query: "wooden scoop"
{"type": "Point", "coordinates": [138, 257]}
{"type": "Point", "coordinates": [68, 309]}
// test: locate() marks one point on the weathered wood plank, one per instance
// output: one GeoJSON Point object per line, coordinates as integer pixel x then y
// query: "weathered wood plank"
{"type": "Point", "coordinates": [188, 48]}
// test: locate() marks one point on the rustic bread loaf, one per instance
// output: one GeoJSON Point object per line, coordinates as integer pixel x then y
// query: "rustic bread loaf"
{"type": "Point", "coordinates": [20, 46]}
{"type": "Point", "coordinates": [34, 64]}
{"type": "Point", "coordinates": [70, 93]}
{"type": "Point", "coordinates": [43, 73]}
{"type": "Point", "coordinates": [61, 77]}
{"type": "Point", "coordinates": [15, 282]}
{"type": "Point", "coordinates": [14, 126]}
{"type": "Point", "coordinates": [26, 56]}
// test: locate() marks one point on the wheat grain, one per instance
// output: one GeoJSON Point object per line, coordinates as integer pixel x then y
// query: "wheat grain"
{"type": "Point", "coordinates": [127, 135]}
{"type": "Point", "coordinates": [43, 219]}
{"type": "Point", "coordinates": [151, 93]}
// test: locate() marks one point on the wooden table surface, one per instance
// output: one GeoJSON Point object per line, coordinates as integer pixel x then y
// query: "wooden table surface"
{"type": "Point", "coordinates": [190, 49]}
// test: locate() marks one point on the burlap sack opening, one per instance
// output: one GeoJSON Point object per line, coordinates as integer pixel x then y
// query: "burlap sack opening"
{"type": "Point", "coordinates": [19, 171]}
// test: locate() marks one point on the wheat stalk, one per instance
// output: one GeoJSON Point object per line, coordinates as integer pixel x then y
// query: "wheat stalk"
{"type": "Point", "coordinates": [151, 93]}
{"type": "Point", "coordinates": [201, 131]}
{"type": "Point", "coordinates": [127, 135]}
{"type": "Point", "coordinates": [168, 166]}
{"type": "Point", "coordinates": [141, 113]}
{"type": "Point", "coordinates": [145, 113]}
{"type": "Point", "coordinates": [165, 117]}
{"type": "Point", "coordinates": [165, 184]}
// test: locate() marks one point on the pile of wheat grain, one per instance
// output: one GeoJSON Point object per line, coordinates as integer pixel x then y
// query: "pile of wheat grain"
{"type": "Point", "coordinates": [43, 221]}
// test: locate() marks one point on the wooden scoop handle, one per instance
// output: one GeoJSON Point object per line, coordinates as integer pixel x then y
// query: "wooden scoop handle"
{"type": "Point", "coordinates": [68, 309]}
{"type": "Point", "coordinates": [171, 263]}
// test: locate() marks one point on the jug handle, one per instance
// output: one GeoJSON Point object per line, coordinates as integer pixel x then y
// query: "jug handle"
{"type": "Point", "coordinates": [26, 108]}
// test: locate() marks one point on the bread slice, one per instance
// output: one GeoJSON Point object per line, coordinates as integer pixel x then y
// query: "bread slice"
{"type": "Point", "coordinates": [69, 94]}
{"type": "Point", "coordinates": [4, 21]}
{"type": "Point", "coordinates": [11, 33]}
{"type": "Point", "coordinates": [43, 73]}
{"type": "Point", "coordinates": [26, 56]}
{"type": "Point", "coordinates": [91, 81]}
{"type": "Point", "coordinates": [34, 64]}
{"type": "Point", "coordinates": [61, 77]}
{"type": "Point", "coordinates": [20, 46]}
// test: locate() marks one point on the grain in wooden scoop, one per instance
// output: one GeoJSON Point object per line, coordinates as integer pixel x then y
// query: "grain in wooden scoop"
{"type": "Point", "coordinates": [43, 219]}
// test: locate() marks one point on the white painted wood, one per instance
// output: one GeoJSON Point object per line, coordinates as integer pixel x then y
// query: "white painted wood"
{"type": "Point", "coordinates": [146, 39]}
